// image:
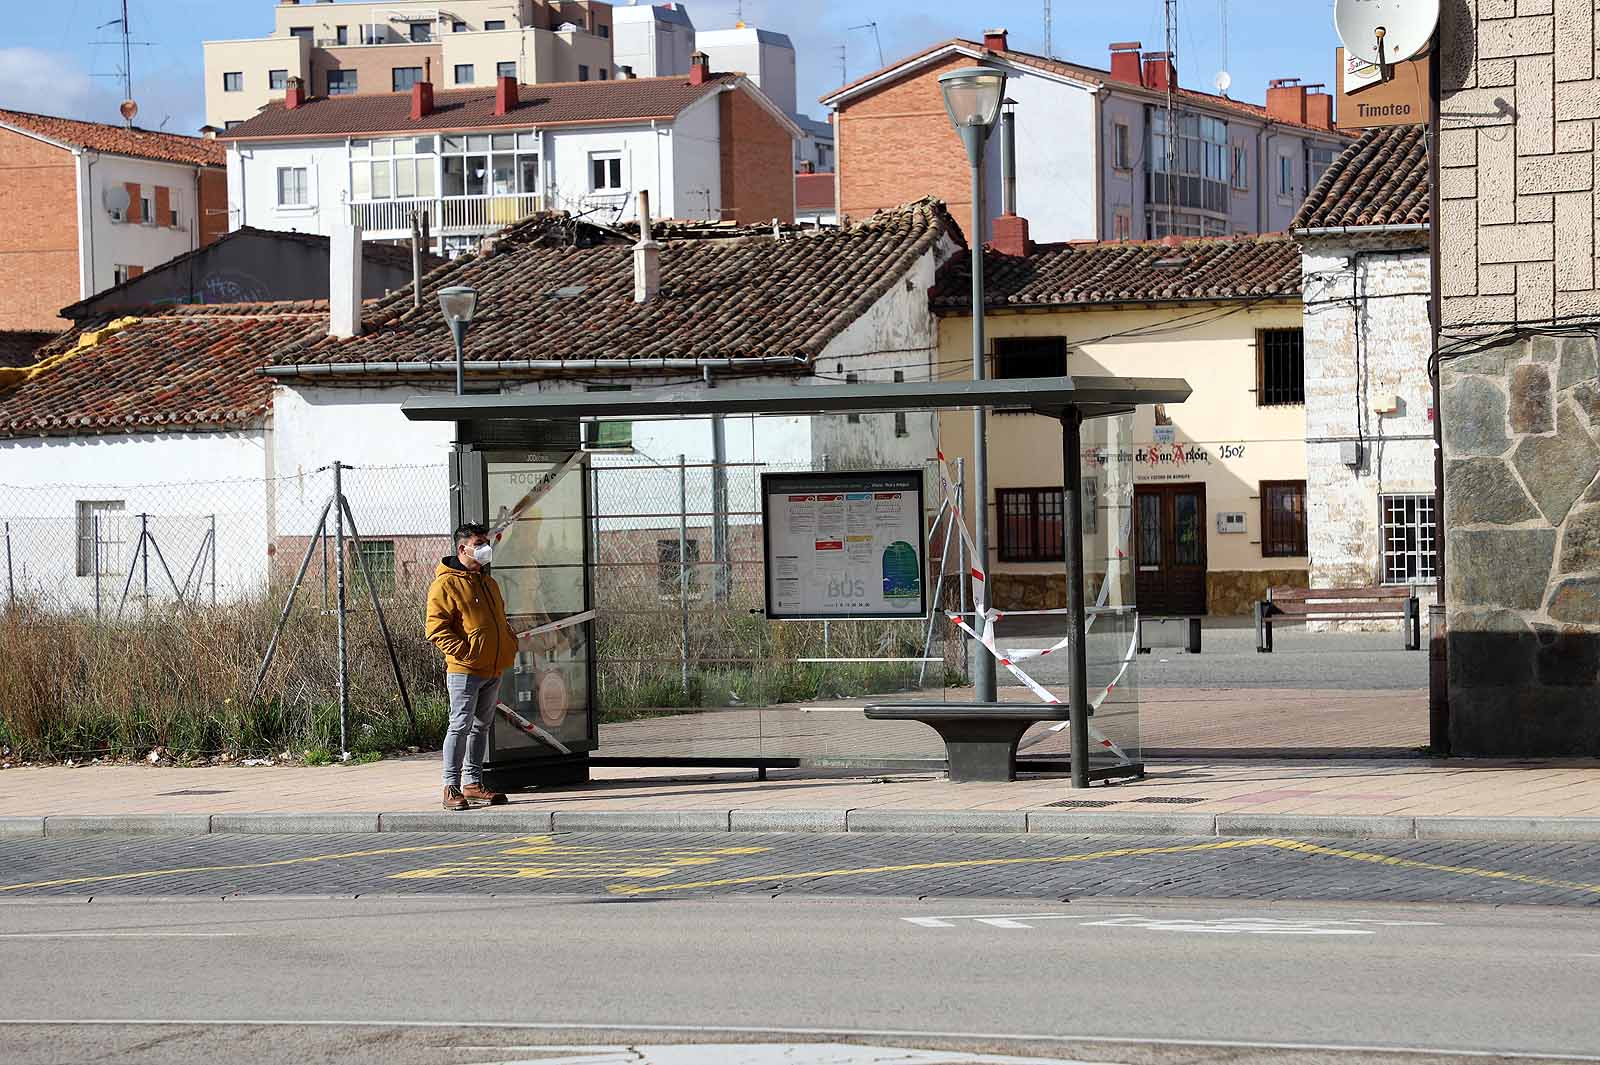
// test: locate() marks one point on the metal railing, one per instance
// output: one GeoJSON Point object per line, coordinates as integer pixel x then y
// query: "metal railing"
{"type": "Point", "coordinates": [446, 214]}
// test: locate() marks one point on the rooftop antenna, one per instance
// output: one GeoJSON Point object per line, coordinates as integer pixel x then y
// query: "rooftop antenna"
{"type": "Point", "coordinates": [1385, 32]}
{"type": "Point", "coordinates": [128, 107]}
{"type": "Point", "coordinates": [1049, 50]}
{"type": "Point", "coordinates": [1224, 79]}
{"type": "Point", "coordinates": [844, 68]}
{"type": "Point", "coordinates": [873, 26]}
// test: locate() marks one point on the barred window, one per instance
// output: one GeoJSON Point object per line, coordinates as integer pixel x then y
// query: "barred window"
{"type": "Point", "coordinates": [100, 537]}
{"type": "Point", "coordinates": [1283, 519]}
{"type": "Point", "coordinates": [1280, 367]}
{"type": "Point", "coordinates": [1031, 524]}
{"type": "Point", "coordinates": [376, 559]}
{"type": "Point", "coordinates": [1410, 540]}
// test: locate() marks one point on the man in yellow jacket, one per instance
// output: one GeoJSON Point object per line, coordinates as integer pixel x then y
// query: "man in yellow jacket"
{"type": "Point", "coordinates": [467, 621]}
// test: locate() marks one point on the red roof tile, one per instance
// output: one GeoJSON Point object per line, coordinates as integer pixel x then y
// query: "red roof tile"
{"type": "Point", "coordinates": [1381, 180]}
{"type": "Point", "coordinates": [120, 140]}
{"type": "Point", "coordinates": [813, 192]}
{"type": "Point", "coordinates": [1081, 274]}
{"type": "Point", "coordinates": [723, 296]}
{"type": "Point", "coordinates": [555, 104]}
{"type": "Point", "coordinates": [176, 368]}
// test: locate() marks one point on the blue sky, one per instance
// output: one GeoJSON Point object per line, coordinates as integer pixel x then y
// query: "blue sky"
{"type": "Point", "coordinates": [55, 54]}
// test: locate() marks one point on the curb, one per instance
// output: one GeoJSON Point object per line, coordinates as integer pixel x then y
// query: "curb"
{"type": "Point", "coordinates": [880, 821]}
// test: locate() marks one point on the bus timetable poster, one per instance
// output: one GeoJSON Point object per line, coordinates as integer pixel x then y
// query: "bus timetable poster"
{"type": "Point", "coordinates": [844, 545]}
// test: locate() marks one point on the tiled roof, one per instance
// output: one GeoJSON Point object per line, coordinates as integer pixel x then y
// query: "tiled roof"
{"type": "Point", "coordinates": [1381, 180]}
{"type": "Point", "coordinates": [574, 103]}
{"type": "Point", "coordinates": [120, 140]}
{"type": "Point", "coordinates": [1080, 274]}
{"type": "Point", "coordinates": [17, 346]}
{"type": "Point", "coordinates": [813, 192]}
{"type": "Point", "coordinates": [725, 296]}
{"type": "Point", "coordinates": [1094, 76]}
{"type": "Point", "coordinates": [372, 251]}
{"type": "Point", "coordinates": [170, 368]}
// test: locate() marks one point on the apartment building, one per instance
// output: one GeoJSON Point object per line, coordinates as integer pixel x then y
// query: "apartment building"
{"type": "Point", "coordinates": [348, 48]}
{"type": "Point", "coordinates": [709, 147]}
{"type": "Point", "coordinates": [1093, 159]}
{"type": "Point", "coordinates": [85, 206]}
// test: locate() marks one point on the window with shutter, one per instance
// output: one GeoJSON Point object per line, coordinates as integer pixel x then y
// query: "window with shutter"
{"type": "Point", "coordinates": [135, 212]}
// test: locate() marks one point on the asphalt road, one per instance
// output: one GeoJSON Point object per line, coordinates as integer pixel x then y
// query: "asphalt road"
{"type": "Point", "coordinates": [280, 980]}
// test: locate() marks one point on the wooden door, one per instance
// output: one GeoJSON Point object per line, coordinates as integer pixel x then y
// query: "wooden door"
{"type": "Point", "coordinates": [1170, 548]}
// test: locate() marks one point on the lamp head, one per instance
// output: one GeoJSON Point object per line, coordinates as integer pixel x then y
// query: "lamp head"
{"type": "Point", "coordinates": [459, 303]}
{"type": "Point", "coordinates": [972, 96]}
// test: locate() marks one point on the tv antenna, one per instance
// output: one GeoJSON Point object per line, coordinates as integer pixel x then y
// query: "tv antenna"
{"type": "Point", "coordinates": [128, 108]}
{"type": "Point", "coordinates": [1049, 50]}
{"type": "Point", "coordinates": [1171, 9]}
{"type": "Point", "coordinates": [1385, 32]}
{"type": "Point", "coordinates": [844, 67]}
{"type": "Point", "coordinates": [1224, 80]}
{"type": "Point", "coordinates": [873, 26]}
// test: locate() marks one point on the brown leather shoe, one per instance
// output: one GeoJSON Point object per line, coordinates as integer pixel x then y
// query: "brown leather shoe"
{"type": "Point", "coordinates": [454, 800]}
{"type": "Point", "coordinates": [479, 793]}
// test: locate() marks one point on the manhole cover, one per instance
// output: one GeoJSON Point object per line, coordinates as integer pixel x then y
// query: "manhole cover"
{"type": "Point", "coordinates": [194, 791]}
{"type": "Point", "coordinates": [1170, 800]}
{"type": "Point", "coordinates": [1084, 803]}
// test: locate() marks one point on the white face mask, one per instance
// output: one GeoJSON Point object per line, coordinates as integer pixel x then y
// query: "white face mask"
{"type": "Point", "coordinates": [483, 553]}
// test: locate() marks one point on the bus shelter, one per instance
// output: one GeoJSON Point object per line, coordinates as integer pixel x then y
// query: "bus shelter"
{"type": "Point", "coordinates": [519, 464]}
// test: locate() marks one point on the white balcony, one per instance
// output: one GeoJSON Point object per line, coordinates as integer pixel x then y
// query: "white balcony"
{"type": "Point", "coordinates": [447, 215]}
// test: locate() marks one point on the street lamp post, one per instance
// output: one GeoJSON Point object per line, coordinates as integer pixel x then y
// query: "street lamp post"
{"type": "Point", "coordinates": [972, 96]}
{"type": "Point", "coordinates": [459, 304]}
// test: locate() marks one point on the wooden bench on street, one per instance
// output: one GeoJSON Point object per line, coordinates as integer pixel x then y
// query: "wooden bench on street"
{"type": "Point", "coordinates": [1286, 605]}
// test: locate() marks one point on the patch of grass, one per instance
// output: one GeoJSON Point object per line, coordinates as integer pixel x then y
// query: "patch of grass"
{"type": "Point", "coordinates": [318, 756]}
{"type": "Point", "coordinates": [364, 758]}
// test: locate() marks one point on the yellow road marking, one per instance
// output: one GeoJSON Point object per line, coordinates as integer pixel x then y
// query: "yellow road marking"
{"type": "Point", "coordinates": [968, 863]}
{"type": "Point", "coordinates": [307, 860]}
{"type": "Point", "coordinates": [563, 861]}
{"type": "Point", "coordinates": [1412, 863]}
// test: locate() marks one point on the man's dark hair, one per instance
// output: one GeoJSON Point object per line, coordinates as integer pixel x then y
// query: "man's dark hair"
{"type": "Point", "coordinates": [467, 530]}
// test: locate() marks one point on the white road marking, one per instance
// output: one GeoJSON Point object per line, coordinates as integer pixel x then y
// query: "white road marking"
{"type": "Point", "coordinates": [1216, 925]}
{"type": "Point", "coordinates": [751, 1054]}
{"type": "Point", "coordinates": [836, 1033]}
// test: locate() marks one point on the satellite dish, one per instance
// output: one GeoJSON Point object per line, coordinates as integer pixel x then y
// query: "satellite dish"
{"type": "Point", "coordinates": [117, 199]}
{"type": "Point", "coordinates": [1224, 81]}
{"type": "Point", "coordinates": [1385, 32]}
{"type": "Point", "coordinates": [129, 110]}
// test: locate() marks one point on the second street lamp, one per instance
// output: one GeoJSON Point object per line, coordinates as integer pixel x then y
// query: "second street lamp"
{"type": "Point", "coordinates": [459, 304]}
{"type": "Point", "coordinates": [972, 96]}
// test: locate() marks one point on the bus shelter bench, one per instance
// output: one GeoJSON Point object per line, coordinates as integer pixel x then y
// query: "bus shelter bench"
{"type": "Point", "coordinates": [1288, 605]}
{"type": "Point", "coordinates": [980, 739]}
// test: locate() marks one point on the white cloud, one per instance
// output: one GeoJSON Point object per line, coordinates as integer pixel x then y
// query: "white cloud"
{"type": "Point", "coordinates": [51, 83]}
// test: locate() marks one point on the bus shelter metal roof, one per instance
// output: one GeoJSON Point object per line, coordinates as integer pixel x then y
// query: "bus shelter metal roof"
{"type": "Point", "coordinates": [1069, 400]}
{"type": "Point", "coordinates": [1091, 397]}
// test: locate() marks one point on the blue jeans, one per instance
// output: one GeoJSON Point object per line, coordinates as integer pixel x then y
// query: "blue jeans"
{"type": "Point", "coordinates": [472, 701]}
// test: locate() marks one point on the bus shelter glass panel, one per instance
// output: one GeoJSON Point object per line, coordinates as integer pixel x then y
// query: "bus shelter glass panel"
{"type": "Point", "coordinates": [1111, 643]}
{"type": "Point", "coordinates": [536, 511]}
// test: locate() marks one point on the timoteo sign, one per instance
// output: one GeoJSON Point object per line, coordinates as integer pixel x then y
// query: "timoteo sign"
{"type": "Point", "coordinates": [1365, 100]}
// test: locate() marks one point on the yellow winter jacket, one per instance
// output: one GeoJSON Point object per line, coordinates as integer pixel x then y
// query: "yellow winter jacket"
{"type": "Point", "coordinates": [467, 621]}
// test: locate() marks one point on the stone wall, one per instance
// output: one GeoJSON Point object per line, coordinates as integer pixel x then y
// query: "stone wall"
{"type": "Point", "coordinates": [1235, 593]}
{"type": "Point", "coordinates": [1521, 405]}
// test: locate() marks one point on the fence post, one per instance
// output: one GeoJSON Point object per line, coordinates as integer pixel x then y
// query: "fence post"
{"type": "Point", "coordinates": [11, 590]}
{"type": "Point", "coordinates": [723, 588]}
{"type": "Point", "coordinates": [96, 563]}
{"type": "Point", "coordinates": [683, 565]}
{"type": "Point", "coordinates": [144, 557]}
{"type": "Point", "coordinates": [963, 572]}
{"type": "Point", "coordinates": [338, 564]}
{"type": "Point", "coordinates": [213, 560]}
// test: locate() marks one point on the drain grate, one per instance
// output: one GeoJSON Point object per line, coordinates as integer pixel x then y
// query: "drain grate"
{"type": "Point", "coordinates": [1169, 800]}
{"type": "Point", "coordinates": [1084, 804]}
{"type": "Point", "coordinates": [195, 791]}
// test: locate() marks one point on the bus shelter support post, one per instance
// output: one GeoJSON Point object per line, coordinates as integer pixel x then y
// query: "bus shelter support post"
{"type": "Point", "coordinates": [1072, 464]}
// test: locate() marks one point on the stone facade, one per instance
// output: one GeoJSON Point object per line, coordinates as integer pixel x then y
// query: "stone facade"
{"type": "Point", "coordinates": [1521, 403]}
{"type": "Point", "coordinates": [1235, 593]}
{"type": "Point", "coordinates": [1361, 354]}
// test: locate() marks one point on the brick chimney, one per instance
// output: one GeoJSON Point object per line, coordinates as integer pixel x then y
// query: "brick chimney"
{"type": "Point", "coordinates": [995, 40]}
{"type": "Point", "coordinates": [421, 100]}
{"type": "Point", "coordinates": [1319, 107]}
{"type": "Point", "coordinates": [1125, 66]}
{"type": "Point", "coordinates": [294, 94]}
{"type": "Point", "coordinates": [1011, 236]}
{"type": "Point", "coordinates": [1286, 100]}
{"type": "Point", "coordinates": [505, 95]}
{"type": "Point", "coordinates": [1160, 71]}
{"type": "Point", "coordinates": [699, 68]}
